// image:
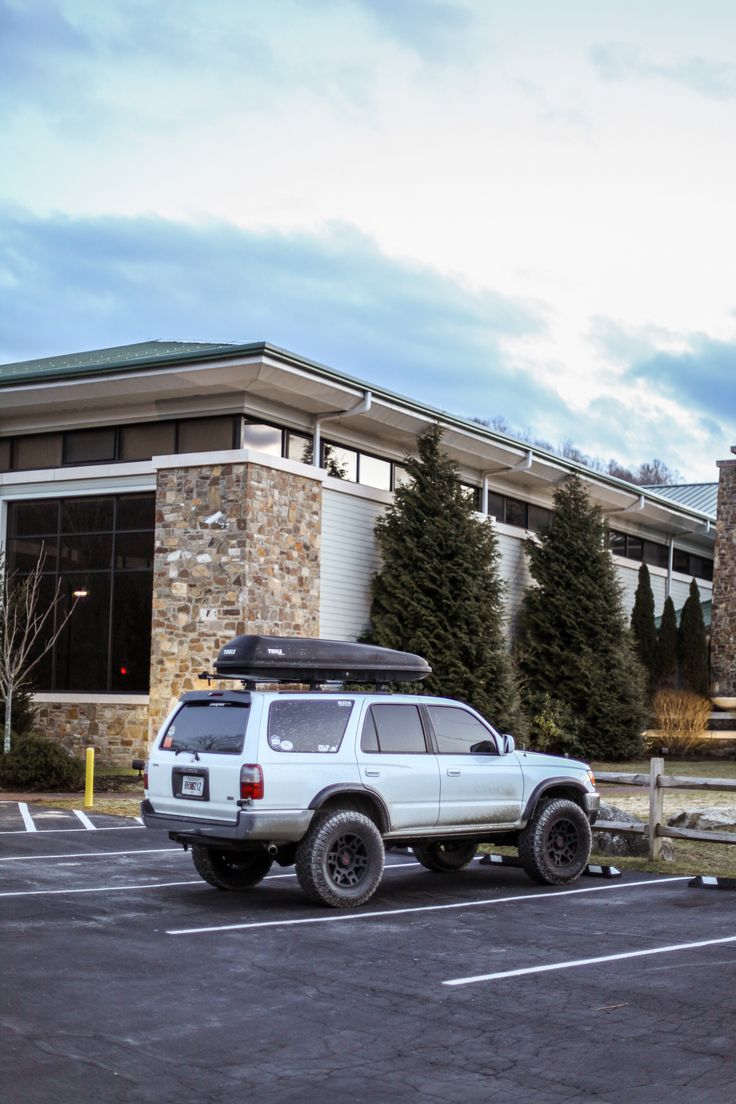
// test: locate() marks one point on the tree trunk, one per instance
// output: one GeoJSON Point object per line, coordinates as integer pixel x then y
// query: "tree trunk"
{"type": "Point", "coordinates": [8, 712]}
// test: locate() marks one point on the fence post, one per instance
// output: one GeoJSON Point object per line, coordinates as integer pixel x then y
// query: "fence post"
{"type": "Point", "coordinates": [656, 807]}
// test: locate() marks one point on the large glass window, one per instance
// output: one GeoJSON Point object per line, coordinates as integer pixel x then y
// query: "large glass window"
{"type": "Point", "coordinates": [263, 438]}
{"type": "Point", "coordinates": [102, 548]}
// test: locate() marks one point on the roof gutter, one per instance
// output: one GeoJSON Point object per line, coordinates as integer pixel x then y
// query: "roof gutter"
{"type": "Point", "coordinates": [361, 407]}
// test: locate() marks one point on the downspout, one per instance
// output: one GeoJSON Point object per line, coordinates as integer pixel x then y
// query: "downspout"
{"type": "Point", "coordinates": [361, 407]}
{"type": "Point", "coordinates": [670, 562]}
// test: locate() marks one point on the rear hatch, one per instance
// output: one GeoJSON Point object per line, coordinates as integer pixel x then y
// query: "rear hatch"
{"type": "Point", "coordinates": [194, 770]}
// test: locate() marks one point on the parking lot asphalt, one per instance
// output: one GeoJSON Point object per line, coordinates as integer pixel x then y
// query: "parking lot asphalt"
{"type": "Point", "coordinates": [127, 978]}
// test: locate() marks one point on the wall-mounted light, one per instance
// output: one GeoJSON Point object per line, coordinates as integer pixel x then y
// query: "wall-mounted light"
{"type": "Point", "coordinates": [81, 593]}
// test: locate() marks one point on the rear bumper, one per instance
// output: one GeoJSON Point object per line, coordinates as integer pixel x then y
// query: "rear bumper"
{"type": "Point", "coordinates": [277, 827]}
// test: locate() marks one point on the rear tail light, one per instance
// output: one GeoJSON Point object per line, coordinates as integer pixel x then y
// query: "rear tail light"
{"type": "Point", "coordinates": [251, 781]}
{"type": "Point", "coordinates": [145, 779]}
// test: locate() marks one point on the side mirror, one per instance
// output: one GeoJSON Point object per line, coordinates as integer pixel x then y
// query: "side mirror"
{"type": "Point", "coordinates": [509, 744]}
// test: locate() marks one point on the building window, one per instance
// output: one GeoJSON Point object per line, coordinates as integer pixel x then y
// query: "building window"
{"type": "Point", "coordinates": [90, 446]}
{"type": "Point", "coordinates": [141, 442]}
{"type": "Point", "coordinates": [104, 547]}
{"type": "Point", "coordinates": [656, 554]}
{"type": "Point", "coordinates": [263, 438]}
{"type": "Point", "coordinates": [206, 434]}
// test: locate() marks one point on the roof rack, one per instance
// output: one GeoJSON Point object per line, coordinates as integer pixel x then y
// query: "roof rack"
{"type": "Point", "coordinates": [311, 660]}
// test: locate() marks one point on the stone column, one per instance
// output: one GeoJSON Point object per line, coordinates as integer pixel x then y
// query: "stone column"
{"type": "Point", "coordinates": [723, 614]}
{"type": "Point", "coordinates": [237, 551]}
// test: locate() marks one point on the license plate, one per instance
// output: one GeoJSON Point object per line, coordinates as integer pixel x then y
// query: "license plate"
{"type": "Point", "coordinates": [192, 785]}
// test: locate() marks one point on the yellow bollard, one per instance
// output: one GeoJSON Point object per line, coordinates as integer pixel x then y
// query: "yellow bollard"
{"type": "Point", "coordinates": [89, 778]}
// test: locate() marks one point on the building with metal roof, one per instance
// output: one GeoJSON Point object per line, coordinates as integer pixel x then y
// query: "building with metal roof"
{"type": "Point", "coordinates": [193, 491]}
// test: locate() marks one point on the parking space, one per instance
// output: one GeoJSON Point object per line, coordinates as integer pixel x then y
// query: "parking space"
{"type": "Point", "coordinates": [128, 978]}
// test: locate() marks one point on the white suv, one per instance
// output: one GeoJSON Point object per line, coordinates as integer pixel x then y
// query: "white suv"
{"type": "Point", "coordinates": [326, 779]}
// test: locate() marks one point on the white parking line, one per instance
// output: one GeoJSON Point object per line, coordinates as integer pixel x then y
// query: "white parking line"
{"type": "Point", "coordinates": [96, 889]}
{"type": "Point", "coordinates": [59, 831]}
{"type": "Point", "coordinates": [94, 854]}
{"type": "Point", "coordinates": [84, 819]}
{"type": "Point", "coordinates": [333, 919]}
{"type": "Point", "coordinates": [27, 818]}
{"type": "Point", "coordinates": [524, 971]}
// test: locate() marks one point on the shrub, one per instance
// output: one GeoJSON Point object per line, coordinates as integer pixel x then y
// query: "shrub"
{"type": "Point", "coordinates": [36, 763]}
{"type": "Point", "coordinates": [680, 721]}
{"type": "Point", "coordinates": [553, 729]}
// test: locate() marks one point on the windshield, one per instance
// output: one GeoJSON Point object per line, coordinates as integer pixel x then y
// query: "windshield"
{"type": "Point", "coordinates": [207, 726]}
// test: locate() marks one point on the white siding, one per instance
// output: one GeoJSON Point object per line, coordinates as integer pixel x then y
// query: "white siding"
{"type": "Point", "coordinates": [628, 573]}
{"type": "Point", "coordinates": [349, 561]}
{"type": "Point", "coordinates": [514, 570]}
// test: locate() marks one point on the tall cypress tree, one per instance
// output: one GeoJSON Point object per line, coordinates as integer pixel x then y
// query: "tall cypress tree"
{"type": "Point", "coordinates": [575, 647]}
{"type": "Point", "coordinates": [665, 666]}
{"type": "Point", "coordinates": [439, 592]}
{"type": "Point", "coordinates": [643, 625]}
{"type": "Point", "coordinates": [692, 646]}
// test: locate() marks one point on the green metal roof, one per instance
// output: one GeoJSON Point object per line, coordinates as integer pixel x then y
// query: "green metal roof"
{"type": "Point", "coordinates": [106, 360]}
{"type": "Point", "coordinates": [147, 354]}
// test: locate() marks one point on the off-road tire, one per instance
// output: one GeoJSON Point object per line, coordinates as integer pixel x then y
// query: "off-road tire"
{"type": "Point", "coordinates": [340, 860]}
{"type": "Point", "coordinates": [554, 848]}
{"type": "Point", "coordinates": [444, 856]}
{"type": "Point", "coordinates": [231, 869]}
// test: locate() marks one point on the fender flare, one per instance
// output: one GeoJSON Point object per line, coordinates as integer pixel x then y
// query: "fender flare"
{"type": "Point", "coordinates": [338, 789]}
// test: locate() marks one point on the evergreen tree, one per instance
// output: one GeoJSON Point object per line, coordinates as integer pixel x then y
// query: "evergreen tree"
{"type": "Point", "coordinates": [643, 626]}
{"type": "Point", "coordinates": [439, 592]}
{"type": "Point", "coordinates": [665, 665]}
{"type": "Point", "coordinates": [692, 646]}
{"type": "Point", "coordinates": [575, 648]}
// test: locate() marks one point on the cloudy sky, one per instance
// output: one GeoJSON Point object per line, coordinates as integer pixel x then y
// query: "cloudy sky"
{"type": "Point", "coordinates": [505, 208]}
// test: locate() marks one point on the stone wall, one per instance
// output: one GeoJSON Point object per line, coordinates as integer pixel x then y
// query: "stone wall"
{"type": "Point", "coordinates": [723, 617]}
{"type": "Point", "coordinates": [237, 550]}
{"type": "Point", "coordinates": [118, 733]}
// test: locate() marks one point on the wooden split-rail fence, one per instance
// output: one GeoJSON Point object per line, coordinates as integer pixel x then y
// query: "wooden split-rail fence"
{"type": "Point", "coordinates": [657, 782]}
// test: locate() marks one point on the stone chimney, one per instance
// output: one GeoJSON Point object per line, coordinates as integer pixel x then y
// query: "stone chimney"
{"type": "Point", "coordinates": [723, 615]}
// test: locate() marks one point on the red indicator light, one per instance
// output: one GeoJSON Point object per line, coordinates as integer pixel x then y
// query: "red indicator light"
{"type": "Point", "coordinates": [123, 670]}
{"type": "Point", "coordinates": [251, 781]}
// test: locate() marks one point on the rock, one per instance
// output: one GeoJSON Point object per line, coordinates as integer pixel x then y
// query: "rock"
{"type": "Point", "coordinates": [714, 818]}
{"type": "Point", "coordinates": [625, 843]}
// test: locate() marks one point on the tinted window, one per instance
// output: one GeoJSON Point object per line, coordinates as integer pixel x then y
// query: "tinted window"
{"type": "Point", "coordinates": [89, 445]}
{"type": "Point", "coordinates": [539, 518]}
{"type": "Point", "coordinates": [301, 724]}
{"type": "Point", "coordinates": [516, 513]}
{"type": "Point", "coordinates": [398, 728]}
{"type": "Point", "coordinates": [459, 732]}
{"type": "Point", "coordinates": [205, 435]}
{"type": "Point", "coordinates": [43, 451]}
{"type": "Point", "coordinates": [496, 505]}
{"type": "Point", "coordinates": [106, 644]}
{"type": "Point", "coordinates": [144, 441]}
{"type": "Point", "coordinates": [207, 726]}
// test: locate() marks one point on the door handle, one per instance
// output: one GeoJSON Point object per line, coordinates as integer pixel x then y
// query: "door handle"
{"type": "Point", "coordinates": [372, 773]}
{"type": "Point", "coordinates": [453, 771]}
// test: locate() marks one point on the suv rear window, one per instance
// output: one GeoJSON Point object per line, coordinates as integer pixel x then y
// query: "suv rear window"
{"type": "Point", "coordinates": [303, 725]}
{"type": "Point", "coordinates": [207, 726]}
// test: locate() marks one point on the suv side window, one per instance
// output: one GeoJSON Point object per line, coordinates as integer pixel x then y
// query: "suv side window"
{"type": "Point", "coordinates": [308, 725]}
{"type": "Point", "coordinates": [393, 729]}
{"type": "Point", "coordinates": [459, 732]}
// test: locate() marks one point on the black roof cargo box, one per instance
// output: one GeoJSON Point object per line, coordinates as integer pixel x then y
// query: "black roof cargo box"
{"type": "Point", "coordinates": [302, 659]}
